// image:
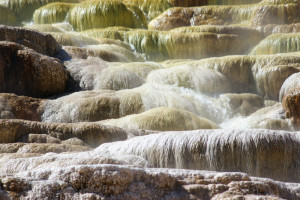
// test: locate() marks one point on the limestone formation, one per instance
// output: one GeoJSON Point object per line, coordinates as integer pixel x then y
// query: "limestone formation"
{"type": "Point", "coordinates": [101, 14]}
{"type": "Point", "coordinates": [92, 106]}
{"type": "Point", "coordinates": [256, 15]}
{"type": "Point", "coordinates": [115, 32]}
{"type": "Point", "coordinates": [124, 182]}
{"type": "Point", "coordinates": [269, 79]}
{"type": "Point", "coordinates": [163, 119]}
{"type": "Point", "coordinates": [278, 43]}
{"type": "Point", "coordinates": [42, 43]}
{"type": "Point", "coordinates": [251, 36]}
{"type": "Point", "coordinates": [269, 117]}
{"type": "Point", "coordinates": [79, 53]}
{"type": "Point", "coordinates": [153, 8]}
{"type": "Point", "coordinates": [130, 99]}
{"type": "Point", "coordinates": [263, 153]}
{"type": "Point", "coordinates": [40, 138]}
{"type": "Point", "coordinates": [24, 9]}
{"type": "Point", "coordinates": [232, 2]}
{"type": "Point", "coordinates": [52, 13]}
{"type": "Point", "coordinates": [107, 49]}
{"type": "Point", "coordinates": [7, 17]}
{"type": "Point", "coordinates": [290, 84]}
{"type": "Point", "coordinates": [280, 28]}
{"type": "Point", "coordinates": [20, 107]}
{"type": "Point", "coordinates": [101, 105]}
{"type": "Point", "coordinates": [40, 148]}
{"type": "Point", "coordinates": [91, 133]}
{"type": "Point", "coordinates": [95, 74]}
{"type": "Point", "coordinates": [54, 148]}
{"type": "Point", "coordinates": [43, 28]}
{"type": "Point", "coordinates": [74, 141]}
{"type": "Point", "coordinates": [245, 72]}
{"type": "Point", "coordinates": [84, 72]}
{"type": "Point", "coordinates": [291, 105]}
{"type": "Point", "coordinates": [118, 78]}
{"type": "Point", "coordinates": [26, 72]}
{"type": "Point", "coordinates": [161, 45]}
{"type": "Point", "coordinates": [289, 95]}
{"type": "Point", "coordinates": [241, 104]}
{"type": "Point", "coordinates": [197, 78]}
{"type": "Point", "coordinates": [69, 39]}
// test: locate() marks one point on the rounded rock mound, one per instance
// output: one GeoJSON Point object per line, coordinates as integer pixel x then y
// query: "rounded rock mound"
{"type": "Point", "coordinates": [42, 43]}
{"type": "Point", "coordinates": [163, 119]}
{"type": "Point", "coordinates": [23, 71]}
{"type": "Point", "coordinates": [101, 14]}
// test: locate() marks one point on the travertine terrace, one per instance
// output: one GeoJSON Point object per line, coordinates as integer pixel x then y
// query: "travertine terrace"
{"type": "Point", "coordinates": [150, 99]}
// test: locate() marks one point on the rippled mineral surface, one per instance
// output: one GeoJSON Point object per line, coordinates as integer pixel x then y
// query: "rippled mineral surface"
{"type": "Point", "coordinates": [150, 99]}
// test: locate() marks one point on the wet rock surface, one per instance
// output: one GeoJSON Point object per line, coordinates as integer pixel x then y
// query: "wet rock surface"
{"type": "Point", "coordinates": [110, 99]}
{"type": "Point", "coordinates": [272, 154]}
{"type": "Point", "coordinates": [256, 15]}
{"type": "Point", "coordinates": [163, 119]}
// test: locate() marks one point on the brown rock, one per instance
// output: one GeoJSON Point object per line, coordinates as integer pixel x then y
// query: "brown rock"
{"type": "Point", "coordinates": [93, 134]}
{"type": "Point", "coordinates": [40, 138]}
{"type": "Point", "coordinates": [19, 107]}
{"type": "Point", "coordinates": [10, 147]}
{"type": "Point", "coordinates": [40, 42]}
{"type": "Point", "coordinates": [291, 105]}
{"type": "Point", "coordinates": [25, 72]}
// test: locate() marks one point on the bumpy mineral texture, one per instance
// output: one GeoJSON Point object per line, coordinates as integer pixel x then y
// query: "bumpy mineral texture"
{"type": "Point", "coordinates": [130, 99]}
{"type": "Point", "coordinates": [42, 43]}
{"type": "Point", "coordinates": [291, 104]}
{"type": "Point", "coordinates": [125, 182]}
{"type": "Point", "coordinates": [25, 72]}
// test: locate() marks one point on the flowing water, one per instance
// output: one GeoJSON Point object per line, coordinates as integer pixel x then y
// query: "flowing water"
{"type": "Point", "coordinates": [141, 95]}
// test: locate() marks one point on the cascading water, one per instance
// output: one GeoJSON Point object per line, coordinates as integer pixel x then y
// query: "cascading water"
{"type": "Point", "coordinates": [140, 99]}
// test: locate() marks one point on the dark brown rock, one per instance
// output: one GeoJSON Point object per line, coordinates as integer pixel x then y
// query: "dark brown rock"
{"type": "Point", "coordinates": [291, 105]}
{"type": "Point", "coordinates": [40, 42]}
{"type": "Point", "coordinates": [25, 72]}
